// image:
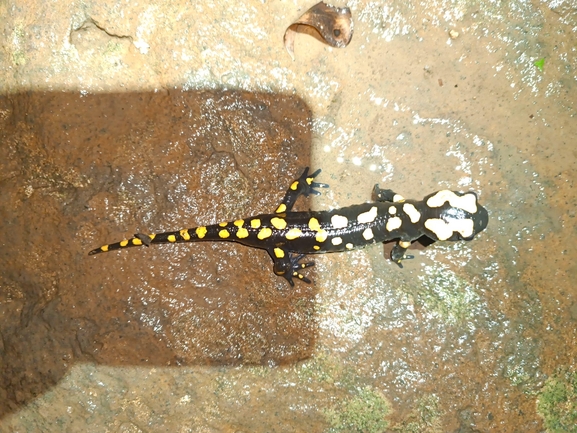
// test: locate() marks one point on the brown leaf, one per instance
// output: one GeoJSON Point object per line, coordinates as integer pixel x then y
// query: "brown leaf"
{"type": "Point", "coordinates": [329, 24]}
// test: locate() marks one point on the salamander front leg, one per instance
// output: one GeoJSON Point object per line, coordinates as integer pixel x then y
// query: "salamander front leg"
{"type": "Point", "coordinates": [398, 253]}
{"type": "Point", "coordinates": [304, 185]}
{"type": "Point", "coordinates": [386, 195]}
{"type": "Point", "coordinates": [287, 265]}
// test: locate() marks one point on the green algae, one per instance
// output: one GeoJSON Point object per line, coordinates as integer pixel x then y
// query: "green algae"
{"type": "Point", "coordinates": [448, 296]}
{"type": "Point", "coordinates": [365, 412]}
{"type": "Point", "coordinates": [557, 402]}
{"type": "Point", "coordinates": [425, 418]}
{"type": "Point", "coordinates": [539, 64]}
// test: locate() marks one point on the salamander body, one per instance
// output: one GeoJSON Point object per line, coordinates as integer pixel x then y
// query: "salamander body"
{"type": "Point", "coordinates": [288, 236]}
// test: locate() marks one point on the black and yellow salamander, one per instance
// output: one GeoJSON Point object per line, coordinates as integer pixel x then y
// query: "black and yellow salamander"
{"type": "Point", "coordinates": [288, 236]}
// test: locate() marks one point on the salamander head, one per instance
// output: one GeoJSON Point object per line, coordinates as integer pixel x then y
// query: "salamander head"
{"type": "Point", "coordinates": [454, 216]}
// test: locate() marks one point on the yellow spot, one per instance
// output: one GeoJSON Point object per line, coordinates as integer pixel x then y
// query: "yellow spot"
{"type": "Point", "coordinates": [294, 185]}
{"type": "Point", "coordinates": [404, 244]}
{"type": "Point", "coordinates": [123, 243]}
{"type": "Point", "coordinates": [184, 235]}
{"type": "Point", "coordinates": [412, 211]}
{"type": "Point", "coordinates": [104, 248]}
{"type": "Point", "coordinates": [368, 217]}
{"type": "Point", "coordinates": [281, 208]}
{"type": "Point", "coordinates": [445, 229]}
{"type": "Point", "coordinates": [293, 234]}
{"type": "Point", "coordinates": [310, 180]}
{"type": "Point", "coordinates": [223, 234]}
{"type": "Point", "coordinates": [314, 224]}
{"type": "Point", "coordinates": [466, 202]}
{"type": "Point", "coordinates": [264, 233]}
{"type": "Point", "coordinates": [239, 223]}
{"type": "Point", "coordinates": [368, 234]}
{"type": "Point", "coordinates": [349, 246]}
{"type": "Point", "coordinates": [171, 238]}
{"type": "Point", "coordinates": [278, 253]}
{"type": "Point", "coordinates": [223, 224]}
{"type": "Point", "coordinates": [316, 247]}
{"type": "Point", "coordinates": [255, 223]}
{"type": "Point", "coordinates": [440, 228]}
{"type": "Point", "coordinates": [398, 198]}
{"type": "Point", "coordinates": [278, 223]}
{"type": "Point", "coordinates": [392, 210]}
{"type": "Point", "coordinates": [152, 236]}
{"type": "Point", "coordinates": [339, 221]}
{"type": "Point", "coordinates": [321, 236]}
{"type": "Point", "coordinates": [393, 224]}
{"type": "Point", "coordinates": [200, 232]}
{"type": "Point", "coordinates": [136, 241]}
{"type": "Point", "coordinates": [242, 233]}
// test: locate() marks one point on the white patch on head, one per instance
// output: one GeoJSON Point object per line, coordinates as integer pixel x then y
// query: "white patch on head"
{"type": "Point", "coordinates": [349, 246]}
{"type": "Point", "coordinates": [393, 223]}
{"type": "Point", "coordinates": [467, 202]}
{"type": "Point", "coordinates": [339, 221]}
{"type": "Point", "coordinates": [368, 217]}
{"type": "Point", "coordinates": [368, 234]}
{"type": "Point", "coordinates": [444, 230]}
{"type": "Point", "coordinates": [412, 211]}
{"type": "Point", "coordinates": [392, 210]}
{"type": "Point", "coordinates": [397, 198]}
{"type": "Point", "coordinates": [337, 241]}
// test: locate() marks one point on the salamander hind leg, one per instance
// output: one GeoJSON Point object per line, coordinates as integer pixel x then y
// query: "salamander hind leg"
{"type": "Point", "coordinates": [398, 254]}
{"type": "Point", "coordinates": [304, 185]}
{"type": "Point", "coordinates": [287, 265]}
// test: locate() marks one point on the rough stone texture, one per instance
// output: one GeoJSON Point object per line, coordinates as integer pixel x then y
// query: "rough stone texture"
{"type": "Point", "coordinates": [117, 118]}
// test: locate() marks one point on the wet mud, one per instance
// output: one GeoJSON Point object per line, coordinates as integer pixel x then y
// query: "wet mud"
{"type": "Point", "coordinates": [115, 120]}
{"type": "Point", "coordinates": [79, 171]}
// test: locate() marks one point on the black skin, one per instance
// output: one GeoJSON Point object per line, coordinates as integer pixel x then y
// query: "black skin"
{"type": "Point", "coordinates": [289, 266]}
{"type": "Point", "coordinates": [289, 235]}
{"type": "Point", "coordinates": [398, 252]}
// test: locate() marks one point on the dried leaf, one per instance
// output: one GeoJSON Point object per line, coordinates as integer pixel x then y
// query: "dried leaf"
{"type": "Point", "coordinates": [334, 26]}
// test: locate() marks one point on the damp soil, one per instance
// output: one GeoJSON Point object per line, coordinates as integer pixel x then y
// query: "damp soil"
{"type": "Point", "coordinates": [75, 175]}
{"type": "Point", "coordinates": [116, 120]}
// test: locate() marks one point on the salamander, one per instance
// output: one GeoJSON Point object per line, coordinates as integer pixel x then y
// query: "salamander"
{"type": "Point", "coordinates": [288, 236]}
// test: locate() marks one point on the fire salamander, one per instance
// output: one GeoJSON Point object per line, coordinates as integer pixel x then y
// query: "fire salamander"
{"type": "Point", "coordinates": [288, 236]}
